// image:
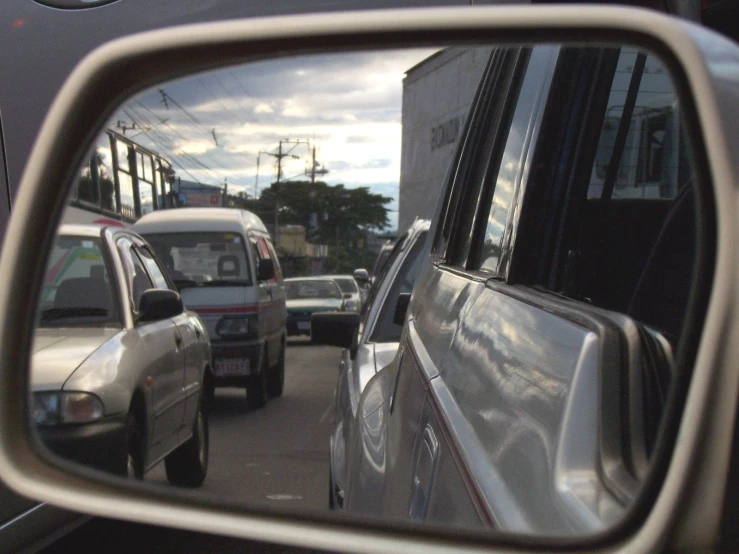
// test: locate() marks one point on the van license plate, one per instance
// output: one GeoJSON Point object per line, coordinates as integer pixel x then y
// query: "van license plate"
{"type": "Point", "coordinates": [230, 368]}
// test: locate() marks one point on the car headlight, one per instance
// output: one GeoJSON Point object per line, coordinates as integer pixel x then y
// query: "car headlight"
{"type": "Point", "coordinates": [233, 327]}
{"type": "Point", "coordinates": [351, 305]}
{"type": "Point", "coordinates": [54, 408]}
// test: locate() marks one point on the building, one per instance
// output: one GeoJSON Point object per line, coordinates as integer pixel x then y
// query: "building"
{"type": "Point", "coordinates": [437, 93]}
{"type": "Point", "coordinates": [191, 194]}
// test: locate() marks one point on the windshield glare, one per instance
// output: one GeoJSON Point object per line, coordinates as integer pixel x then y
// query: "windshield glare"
{"type": "Point", "coordinates": [201, 259]}
{"type": "Point", "coordinates": [77, 287]}
{"type": "Point", "coordinates": [312, 288]}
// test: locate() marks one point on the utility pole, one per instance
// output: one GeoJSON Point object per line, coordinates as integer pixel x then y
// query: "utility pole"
{"type": "Point", "coordinates": [279, 156]}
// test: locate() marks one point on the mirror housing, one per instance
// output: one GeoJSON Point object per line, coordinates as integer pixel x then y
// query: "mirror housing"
{"type": "Point", "coordinates": [158, 304]}
{"type": "Point", "coordinates": [87, 99]}
{"type": "Point", "coordinates": [334, 328]}
{"type": "Point", "coordinates": [401, 308]}
{"type": "Point", "coordinates": [361, 275]}
{"type": "Point", "coordinates": [265, 270]}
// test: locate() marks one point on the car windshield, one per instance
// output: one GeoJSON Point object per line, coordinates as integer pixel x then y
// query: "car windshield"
{"type": "Point", "coordinates": [202, 259]}
{"type": "Point", "coordinates": [78, 289]}
{"type": "Point", "coordinates": [312, 288]}
{"type": "Point", "coordinates": [347, 284]}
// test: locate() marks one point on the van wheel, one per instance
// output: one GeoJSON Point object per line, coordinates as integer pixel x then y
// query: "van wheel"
{"type": "Point", "coordinates": [256, 390]}
{"type": "Point", "coordinates": [276, 380]}
{"type": "Point", "coordinates": [134, 449]}
{"type": "Point", "coordinates": [188, 464]}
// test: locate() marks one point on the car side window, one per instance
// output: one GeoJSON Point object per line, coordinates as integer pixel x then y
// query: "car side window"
{"type": "Point", "coordinates": [650, 159]}
{"type": "Point", "coordinates": [155, 272]}
{"type": "Point", "coordinates": [385, 329]}
{"type": "Point", "coordinates": [137, 279]}
{"type": "Point", "coordinates": [598, 211]}
{"type": "Point", "coordinates": [262, 251]}
{"type": "Point", "coordinates": [377, 285]}
{"type": "Point", "coordinates": [487, 128]}
{"type": "Point", "coordinates": [275, 261]}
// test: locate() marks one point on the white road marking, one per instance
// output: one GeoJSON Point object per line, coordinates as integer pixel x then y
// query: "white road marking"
{"type": "Point", "coordinates": [284, 497]}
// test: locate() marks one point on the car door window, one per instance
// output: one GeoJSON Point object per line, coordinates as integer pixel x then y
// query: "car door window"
{"type": "Point", "coordinates": [385, 329]}
{"type": "Point", "coordinates": [156, 273]}
{"type": "Point", "coordinates": [262, 251]}
{"type": "Point", "coordinates": [137, 279]}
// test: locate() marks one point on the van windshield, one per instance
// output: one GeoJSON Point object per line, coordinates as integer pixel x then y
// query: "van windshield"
{"type": "Point", "coordinates": [202, 259]}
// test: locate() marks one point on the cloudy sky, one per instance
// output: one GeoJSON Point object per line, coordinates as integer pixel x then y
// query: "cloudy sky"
{"type": "Point", "coordinates": [214, 125]}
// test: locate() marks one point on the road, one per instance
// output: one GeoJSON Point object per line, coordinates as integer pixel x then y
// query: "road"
{"type": "Point", "coordinates": [275, 456]}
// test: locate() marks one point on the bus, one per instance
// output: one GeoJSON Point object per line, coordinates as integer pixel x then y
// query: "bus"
{"type": "Point", "coordinates": [120, 181]}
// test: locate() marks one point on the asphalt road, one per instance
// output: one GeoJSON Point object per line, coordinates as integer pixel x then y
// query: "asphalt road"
{"type": "Point", "coordinates": [274, 456]}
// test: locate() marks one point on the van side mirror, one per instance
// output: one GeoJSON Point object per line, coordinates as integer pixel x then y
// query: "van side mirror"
{"type": "Point", "coordinates": [265, 270]}
{"type": "Point", "coordinates": [157, 304]}
{"type": "Point", "coordinates": [401, 308]}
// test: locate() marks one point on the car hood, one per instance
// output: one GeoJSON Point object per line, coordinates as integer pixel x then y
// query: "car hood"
{"type": "Point", "coordinates": [57, 353]}
{"type": "Point", "coordinates": [313, 304]}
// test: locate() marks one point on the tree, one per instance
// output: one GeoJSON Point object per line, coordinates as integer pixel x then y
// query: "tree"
{"type": "Point", "coordinates": [333, 215]}
{"type": "Point", "coordinates": [339, 211]}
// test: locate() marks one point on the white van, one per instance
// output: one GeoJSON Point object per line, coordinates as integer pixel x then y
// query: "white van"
{"type": "Point", "coordinates": [225, 267]}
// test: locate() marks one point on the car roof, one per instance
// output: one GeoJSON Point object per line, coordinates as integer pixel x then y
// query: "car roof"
{"type": "Point", "coordinates": [199, 219]}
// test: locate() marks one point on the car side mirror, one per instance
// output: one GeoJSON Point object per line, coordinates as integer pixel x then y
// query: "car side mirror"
{"type": "Point", "coordinates": [347, 295]}
{"type": "Point", "coordinates": [266, 270]}
{"type": "Point", "coordinates": [361, 275]}
{"type": "Point", "coordinates": [157, 304]}
{"type": "Point", "coordinates": [401, 308]}
{"type": "Point", "coordinates": [334, 328]}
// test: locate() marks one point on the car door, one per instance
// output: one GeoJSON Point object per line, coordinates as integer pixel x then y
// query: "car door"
{"type": "Point", "coordinates": [190, 332]}
{"type": "Point", "coordinates": [447, 296]}
{"type": "Point", "coordinates": [272, 312]}
{"type": "Point", "coordinates": [545, 410]}
{"type": "Point", "coordinates": [164, 358]}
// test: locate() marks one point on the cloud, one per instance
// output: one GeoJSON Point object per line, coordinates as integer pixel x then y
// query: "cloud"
{"type": "Point", "coordinates": [347, 106]}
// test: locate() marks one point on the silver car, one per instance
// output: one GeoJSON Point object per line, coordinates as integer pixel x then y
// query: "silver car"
{"type": "Point", "coordinates": [121, 371]}
{"type": "Point", "coordinates": [351, 290]}
{"type": "Point", "coordinates": [370, 342]}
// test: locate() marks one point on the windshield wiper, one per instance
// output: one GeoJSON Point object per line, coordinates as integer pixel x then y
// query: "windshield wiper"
{"type": "Point", "coordinates": [77, 311]}
{"type": "Point", "coordinates": [223, 283]}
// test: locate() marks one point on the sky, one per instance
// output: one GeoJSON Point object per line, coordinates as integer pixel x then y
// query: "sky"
{"type": "Point", "coordinates": [214, 125]}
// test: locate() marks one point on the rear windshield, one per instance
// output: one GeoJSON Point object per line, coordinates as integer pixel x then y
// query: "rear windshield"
{"type": "Point", "coordinates": [312, 288]}
{"type": "Point", "coordinates": [203, 259]}
{"type": "Point", "coordinates": [78, 288]}
{"type": "Point", "coordinates": [346, 284]}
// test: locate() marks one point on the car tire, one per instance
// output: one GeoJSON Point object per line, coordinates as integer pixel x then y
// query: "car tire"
{"type": "Point", "coordinates": [256, 390]}
{"type": "Point", "coordinates": [276, 379]}
{"type": "Point", "coordinates": [134, 449]}
{"type": "Point", "coordinates": [187, 466]}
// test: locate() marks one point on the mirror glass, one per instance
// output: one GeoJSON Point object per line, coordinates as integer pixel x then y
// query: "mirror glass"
{"type": "Point", "coordinates": [256, 191]}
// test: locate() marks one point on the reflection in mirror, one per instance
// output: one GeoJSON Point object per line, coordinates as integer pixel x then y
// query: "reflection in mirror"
{"type": "Point", "coordinates": [250, 195]}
